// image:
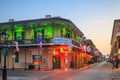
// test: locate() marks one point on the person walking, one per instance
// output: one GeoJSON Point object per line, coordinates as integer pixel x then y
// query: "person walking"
{"type": "Point", "coordinates": [113, 62]}
{"type": "Point", "coordinates": [116, 59]}
{"type": "Point", "coordinates": [72, 64]}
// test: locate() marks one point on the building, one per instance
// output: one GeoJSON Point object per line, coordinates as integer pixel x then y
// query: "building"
{"type": "Point", "coordinates": [115, 41]}
{"type": "Point", "coordinates": [47, 43]}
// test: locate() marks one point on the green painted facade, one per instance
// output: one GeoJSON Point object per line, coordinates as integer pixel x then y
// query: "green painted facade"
{"type": "Point", "coordinates": [28, 31]}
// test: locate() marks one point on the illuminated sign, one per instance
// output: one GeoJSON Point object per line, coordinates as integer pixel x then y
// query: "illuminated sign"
{"type": "Point", "coordinates": [63, 40]}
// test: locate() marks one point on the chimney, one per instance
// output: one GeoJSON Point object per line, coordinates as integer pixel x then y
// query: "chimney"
{"type": "Point", "coordinates": [11, 20]}
{"type": "Point", "coordinates": [48, 16]}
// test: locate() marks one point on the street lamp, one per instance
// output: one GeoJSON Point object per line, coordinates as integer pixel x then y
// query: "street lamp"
{"type": "Point", "coordinates": [39, 47]}
{"type": "Point", "coordinates": [5, 51]}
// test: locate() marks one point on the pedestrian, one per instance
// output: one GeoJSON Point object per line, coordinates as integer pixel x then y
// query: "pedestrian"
{"type": "Point", "coordinates": [72, 64]}
{"type": "Point", "coordinates": [113, 62]}
{"type": "Point", "coordinates": [117, 62]}
{"type": "Point", "coordinates": [116, 59]}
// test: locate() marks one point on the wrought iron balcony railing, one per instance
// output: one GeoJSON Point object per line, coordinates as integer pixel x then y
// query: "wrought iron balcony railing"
{"type": "Point", "coordinates": [35, 41]}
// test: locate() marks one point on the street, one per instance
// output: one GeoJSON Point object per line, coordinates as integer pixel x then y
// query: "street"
{"type": "Point", "coordinates": [97, 71]}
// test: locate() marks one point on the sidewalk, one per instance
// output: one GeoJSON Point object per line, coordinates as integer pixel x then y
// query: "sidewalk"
{"type": "Point", "coordinates": [36, 75]}
{"type": "Point", "coordinates": [115, 75]}
{"type": "Point", "coordinates": [31, 75]}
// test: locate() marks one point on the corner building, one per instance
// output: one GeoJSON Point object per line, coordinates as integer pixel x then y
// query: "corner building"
{"type": "Point", "coordinates": [37, 47]}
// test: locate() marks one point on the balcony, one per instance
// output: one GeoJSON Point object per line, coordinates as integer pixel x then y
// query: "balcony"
{"type": "Point", "coordinates": [35, 41]}
{"type": "Point", "coordinates": [76, 43]}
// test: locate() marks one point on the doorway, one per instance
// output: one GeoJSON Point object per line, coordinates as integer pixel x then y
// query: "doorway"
{"type": "Point", "coordinates": [56, 62]}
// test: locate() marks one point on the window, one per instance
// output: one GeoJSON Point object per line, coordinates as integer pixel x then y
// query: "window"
{"type": "Point", "coordinates": [68, 34]}
{"type": "Point", "coordinates": [64, 32]}
{"type": "Point", "coordinates": [19, 32]}
{"type": "Point", "coordinates": [16, 36]}
{"type": "Point", "coordinates": [48, 31]}
{"type": "Point", "coordinates": [38, 32]}
{"type": "Point", "coordinates": [19, 36]}
{"type": "Point", "coordinates": [17, 57]}
{"type": "Point", "coordinates": [118, 29]}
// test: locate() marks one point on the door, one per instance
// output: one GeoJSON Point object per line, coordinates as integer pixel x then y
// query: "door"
{"type": "Point", "coordinates": [56, 62]}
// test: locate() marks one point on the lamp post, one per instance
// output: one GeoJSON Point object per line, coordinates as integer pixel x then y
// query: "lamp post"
{"type": "Point", "coordinates": [39, 47]}
{"type": "Point", "coordinates": [25, 59]}
{"type": "Point", "coordinates": [4, 51]}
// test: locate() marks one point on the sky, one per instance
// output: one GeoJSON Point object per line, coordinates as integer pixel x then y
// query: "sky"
{"type": "Point", "coordinates": [94, 18]}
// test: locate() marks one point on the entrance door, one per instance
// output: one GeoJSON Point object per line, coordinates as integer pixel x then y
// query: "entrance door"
{"type": "Point", "coordinates": [56, 62]}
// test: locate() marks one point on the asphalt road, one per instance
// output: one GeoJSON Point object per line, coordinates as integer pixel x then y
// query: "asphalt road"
{"type": "Point", "coordinates": [98, 71]}
{"type": "Point", "coordinates": [101, 71]}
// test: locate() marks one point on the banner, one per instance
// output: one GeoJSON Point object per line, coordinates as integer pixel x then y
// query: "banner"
{"type": "Point", "coordinates": [16, 45]}
{"type": "Point", "coordinates": [40, 41]}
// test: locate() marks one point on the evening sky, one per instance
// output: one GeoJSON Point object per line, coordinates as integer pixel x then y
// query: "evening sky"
{"type": "Point", "coordinates": [94, 18]}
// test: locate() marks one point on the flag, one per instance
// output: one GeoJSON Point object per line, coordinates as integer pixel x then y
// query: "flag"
{"type": "Point", "coordinates": [16, 45]}
{"type": "Point", "coordinates": [40, 44]}
{"type": "Point", "coordinates": [40, 41]}
{"type": "Point", "coordinates": [88, 49]}
{"type": "Point", "coordinates": [81, 47]}
{"type": "Point", "coordinates": [70, 43]}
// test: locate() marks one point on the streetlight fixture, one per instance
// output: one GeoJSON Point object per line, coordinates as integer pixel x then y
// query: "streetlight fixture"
{"type": "Point", "coordinates": [5, 36]}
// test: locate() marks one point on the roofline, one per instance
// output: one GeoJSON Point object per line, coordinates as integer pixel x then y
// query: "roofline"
{"type": "Point", "coordinates": [34, 20]}
{"type": "Point", "coordinates": [45, 19]}
{"type": "Point", "coordinates": [113, 31]}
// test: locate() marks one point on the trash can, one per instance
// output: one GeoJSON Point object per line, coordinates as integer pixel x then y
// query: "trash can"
{"type": "Point", "coordinates": [31, 66]}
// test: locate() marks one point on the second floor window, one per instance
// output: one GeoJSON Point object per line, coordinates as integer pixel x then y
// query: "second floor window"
{"type": "Point", "coordinates": [48, 31]}
{"type": "Point", "coordinates": [68, 34]}
{"type": "Point", "coordinates": [19, 36]}
{"type": "Point", "coordinates": [38, 33]}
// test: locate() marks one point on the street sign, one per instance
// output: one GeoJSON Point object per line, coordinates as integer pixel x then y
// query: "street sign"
{"type": "Point", "coordinates": [4, 51]}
